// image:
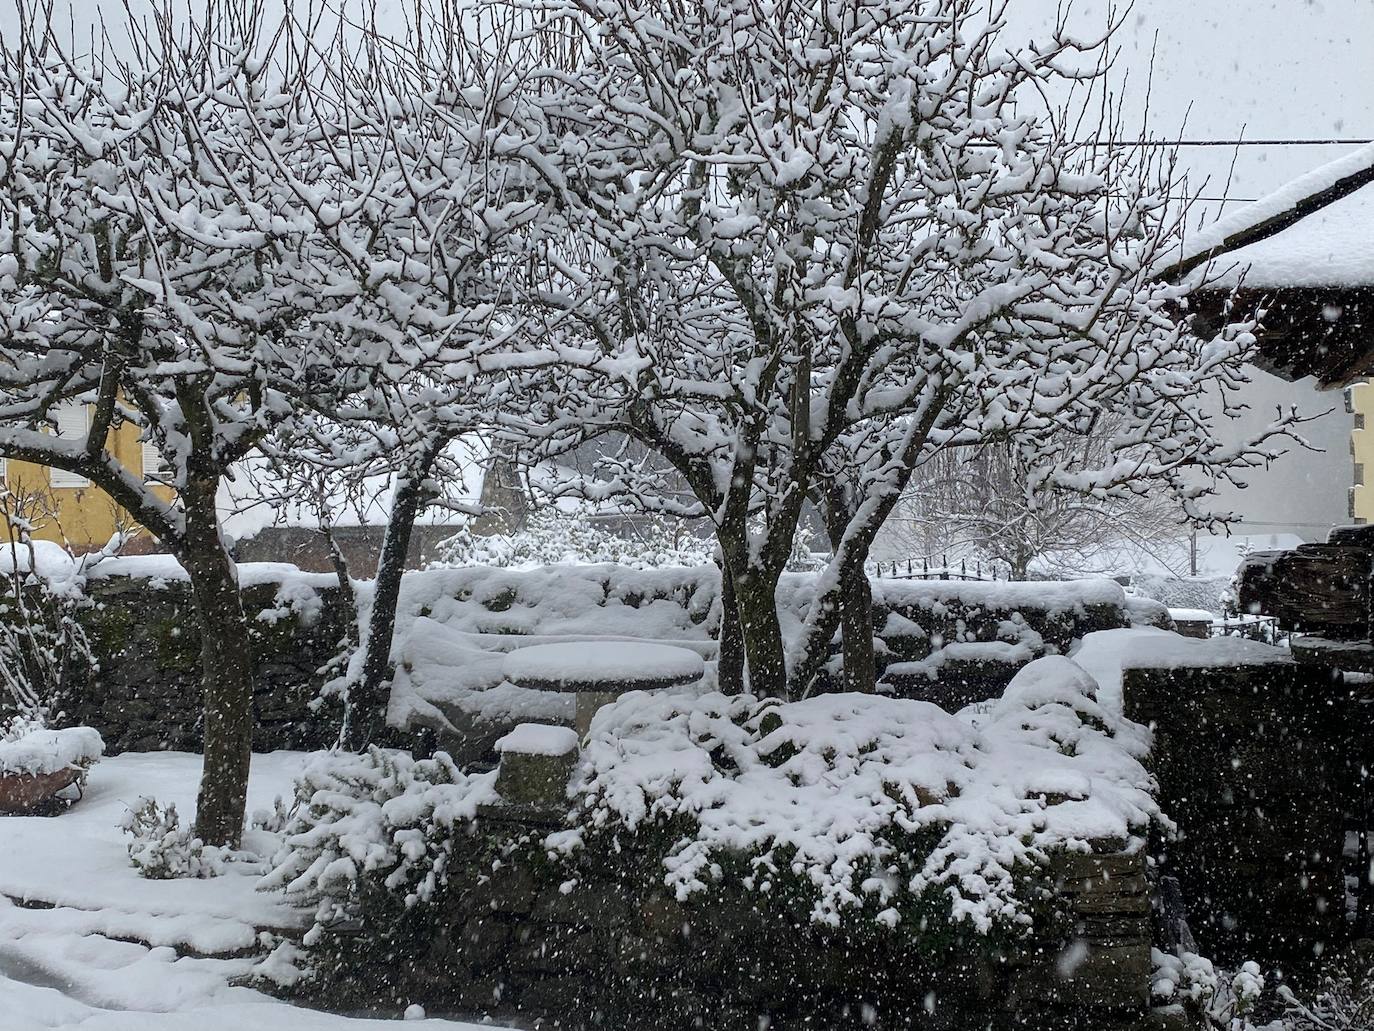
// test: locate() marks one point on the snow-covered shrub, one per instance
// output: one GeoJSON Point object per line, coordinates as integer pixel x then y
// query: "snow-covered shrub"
{"type": "Point", "coordinates": [1212, 999]}
{"type": "Point", "coordinates": [162, 849]}
{"type": "Point", "coordinates": [274, 820]}
{"type": "Point", "coordinates": [379, 821]}
{"type": "Point", "coordinates": [1344, 1001]}
{"type": "Point", "coordinates": [869, 803]}
{"type": "Point", "coordinates": [30, 748]}
{"type": "Point", "coordinates": [41, 639]}
{"type": "Point", "coordinates": [866, 825]}
{"type": "Point", "coordinates": [552, 536]}
{"type": "Point", "coordinates": [857, 803]}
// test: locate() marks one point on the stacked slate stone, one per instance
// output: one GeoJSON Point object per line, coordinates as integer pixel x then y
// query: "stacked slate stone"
{"type": "Point", "coordinates": [146, 693]}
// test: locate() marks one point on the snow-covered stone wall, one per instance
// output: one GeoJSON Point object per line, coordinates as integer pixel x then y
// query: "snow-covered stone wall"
{"type": "Point", "coordinates": [943, 641]}
{"type": "Point", "coordinates": [1258, 760]}
{"type": "Point", "coordinates": [146, 692]}
{"type": "Point", "coordinates": [728, 862]}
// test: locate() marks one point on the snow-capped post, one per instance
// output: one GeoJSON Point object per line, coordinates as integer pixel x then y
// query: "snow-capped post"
{"type": "Point", "coordinates": [537, 762]}
{"type": "Point", "coordinates": [834, 242]}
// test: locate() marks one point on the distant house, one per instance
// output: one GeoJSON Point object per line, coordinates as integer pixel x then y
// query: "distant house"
{"type": "Point", "coordinates": [1304, 256]}
{"type": "Point", "coordinates": [67, 508]}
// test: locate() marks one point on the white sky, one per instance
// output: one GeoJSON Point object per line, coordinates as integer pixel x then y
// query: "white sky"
{"type": "Point", "coordinates": [1274, 69]}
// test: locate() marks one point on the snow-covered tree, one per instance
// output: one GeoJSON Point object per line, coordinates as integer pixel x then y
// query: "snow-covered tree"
{"type": "Point", "coordinates": [802, 244]}
{"type": "Point", "coordinates": [166, 261]}
{"type": "Point", "coordinates": [136, 285]}
{"type": "Point", "coordinates": [235, 233]}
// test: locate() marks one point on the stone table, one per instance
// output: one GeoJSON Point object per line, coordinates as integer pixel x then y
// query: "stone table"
{"type": "Point", "coordinates": [599, 672]}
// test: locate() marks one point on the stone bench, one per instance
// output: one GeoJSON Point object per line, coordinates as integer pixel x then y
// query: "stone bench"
{"type": "Point", "coordinates": [599, 672]}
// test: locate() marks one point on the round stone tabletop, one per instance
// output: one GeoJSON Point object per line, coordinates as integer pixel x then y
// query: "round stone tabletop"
{"type": "Point", "coordinates": [603, 667]}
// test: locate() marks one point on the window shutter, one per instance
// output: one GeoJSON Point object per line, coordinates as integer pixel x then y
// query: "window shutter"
{"type": "Point", "coordinates": [155, 468]}
{"type": "Point", "coordinates": [72, 424]}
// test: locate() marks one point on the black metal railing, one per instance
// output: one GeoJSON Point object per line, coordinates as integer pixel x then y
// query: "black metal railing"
{"type": "Point", "coordinates": [938, 569]}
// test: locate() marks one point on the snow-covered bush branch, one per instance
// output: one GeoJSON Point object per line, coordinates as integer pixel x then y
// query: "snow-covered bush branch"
{"type": "Point", "coordinates": [377, 815]}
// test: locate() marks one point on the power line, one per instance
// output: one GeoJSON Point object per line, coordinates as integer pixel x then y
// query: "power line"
{"type": "Point", "coordinates": [1230, 143]}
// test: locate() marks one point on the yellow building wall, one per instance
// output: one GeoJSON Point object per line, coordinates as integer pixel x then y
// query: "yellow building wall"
{"type": "Point", "coordinates": [1360, 403]}
{"type": "Point", "coordinates": [83, 518]}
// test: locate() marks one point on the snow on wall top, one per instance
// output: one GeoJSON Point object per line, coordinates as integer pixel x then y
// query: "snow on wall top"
{"type": "Point", "coordinates": [1040, 595]}
{"type": "Point", "coordinates": [1105, 653]}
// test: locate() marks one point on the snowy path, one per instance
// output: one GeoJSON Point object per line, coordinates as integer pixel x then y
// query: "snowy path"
{"type": "Point", "coordinates": [86, 943]}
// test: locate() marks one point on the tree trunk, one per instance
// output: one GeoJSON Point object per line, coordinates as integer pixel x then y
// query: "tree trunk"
{"type": "Point", "coordinates": [856, 628]}
{"type": "Point", "coordinates": [226, 650]}
{"type": "Point", "coordinates": [1020, 565]}
{"type": "Point", "coordinates": [730, 661]}
{"type": "Point", "coordinates": [756, 602]}
{"type": "Point", "coordinates": [365, 708]}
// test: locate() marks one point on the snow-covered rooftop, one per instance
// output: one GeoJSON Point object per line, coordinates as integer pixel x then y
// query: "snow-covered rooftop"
{"type": "Point", "coordinates": [1332, 247]}
{"type": "Point", "coordinates": [1331, 243]}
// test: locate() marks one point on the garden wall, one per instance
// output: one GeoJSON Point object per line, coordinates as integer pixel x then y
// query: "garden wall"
{"type": "Point", "coordinates": [146, 692]}
{"type": "Point", "coordinates": [943, 641]}
{"type": "Point", "coordinates": [1254, 757]}
{"type": "Point", "coordinates": [615, 951]}
{"type": "Point", "coordinates": [843, 861]}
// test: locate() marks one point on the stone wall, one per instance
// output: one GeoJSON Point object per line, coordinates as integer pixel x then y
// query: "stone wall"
{"type": "Point", "coordinates": [609, 953]}
{"type": "Point", "coordinates": [1253, 763]}
{"type": "Point", "coordinates": [603, 945]}
{"type": "Point", "coordinates": [146, 693]}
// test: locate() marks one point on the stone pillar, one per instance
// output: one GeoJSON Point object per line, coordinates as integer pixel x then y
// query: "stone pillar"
{"type": "Point", "coordinates": [537, 761]}
{"type": "Point", "coordinates": [1096, 963]}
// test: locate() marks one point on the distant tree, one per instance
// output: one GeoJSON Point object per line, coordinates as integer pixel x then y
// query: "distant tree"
{"type": "Point", "coordinates": [1002, 504]}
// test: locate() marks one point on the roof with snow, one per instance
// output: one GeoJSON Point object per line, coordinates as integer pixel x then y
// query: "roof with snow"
{"type": "Point", "coordinates": [1305, 255]}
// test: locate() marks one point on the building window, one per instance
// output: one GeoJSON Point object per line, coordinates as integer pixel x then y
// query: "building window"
{"type": "Point", "coordinates": [1348, 392]}
{"type": "Point", "coordinates": [1350, 502]}
{"type": "Point", "coordinates": [1359, 420]}
{"type": "Point", "coordinates": [1359, 473]}
{"type": "Point", "coordinates": [73, 422]}
{"type": "Point", "coordinates": [156, 469]}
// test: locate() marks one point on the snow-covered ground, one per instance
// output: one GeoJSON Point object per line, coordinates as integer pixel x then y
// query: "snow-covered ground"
{"type": "Point", "coordinates": [87, 943]}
